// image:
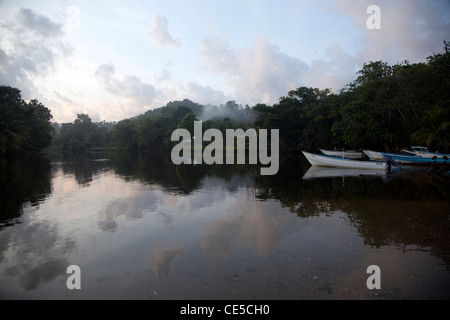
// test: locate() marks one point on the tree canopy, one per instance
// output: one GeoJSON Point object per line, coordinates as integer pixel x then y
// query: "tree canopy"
{"type": "Point", "coordinates": [81, 134]}
{"type": "Point", "coordinates": [385, 108]}
{"type": "Point", "coordinates": [25, 128]}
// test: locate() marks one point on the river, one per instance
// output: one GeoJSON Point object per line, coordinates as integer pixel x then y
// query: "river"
{"type": "Point", "coordinates": [139, 227]}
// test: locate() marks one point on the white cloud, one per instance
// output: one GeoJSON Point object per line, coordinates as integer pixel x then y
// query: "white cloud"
{"type": "Point", "coordinates": [334, 71]}
{"type": "Point", "coordinates": [39, 24]}
{"type": "Point", "coordinates": [159, 33]}
{"type": "Point", "coordinates": [32, 45]}
{"type": "Point", "coordinates": [410, 29]}
{"type": "Point", "coordinates": [218, 55]}
{"type": "Point", "coordinates": [138, 96]}
{"type": "Point", "coordinates": [128, 86]}
{"type": "Point", "coordinates": [259, 73]}
{"type": "Point", "coordinates": [165, 75]}
{"type": "Point", "coordinates": [205, 94]}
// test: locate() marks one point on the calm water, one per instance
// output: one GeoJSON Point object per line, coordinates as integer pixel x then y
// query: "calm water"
{"type": "Point", "coordinates": [142, 228]}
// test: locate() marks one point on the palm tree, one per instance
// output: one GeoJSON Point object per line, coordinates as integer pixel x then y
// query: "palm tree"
{"type": "Point", "coordinates": [436, 132]}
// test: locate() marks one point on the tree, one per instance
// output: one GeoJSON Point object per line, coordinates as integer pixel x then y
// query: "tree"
{"type": "Point", "coordinates": [25, 128]}
{"type": "Point", "coordinates": [13, 130]}
{"type": "Point", "coordinates": [359, 126]}
{"type": "Point", "coordinates": [293, 116]}
{"type": "Point", "coordinates": [80, 134]}
{"type": "Point", "coordinates": [38, 119]}
{"type": "Point", "coordinates": [188, 123]}
{"type": "Point", "coordinates": [123, 135]}
{"type": "Point", "coordinates": [436, 133]}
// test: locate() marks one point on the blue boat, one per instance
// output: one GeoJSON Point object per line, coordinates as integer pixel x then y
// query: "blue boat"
{"type": "Point", "coordinates": [416, 160]}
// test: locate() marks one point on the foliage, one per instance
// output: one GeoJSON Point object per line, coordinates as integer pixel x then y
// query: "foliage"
{"type": "Point", "coordinates": [301, 117]}
{"type": "Point", "coordinates": [81, 134]}
{"type": "Point", "coordinates": [25, 128]}
{"type": "Point", "coordinates": [385, 108]}
{"type": "Point", "coordinates": [152, 131]}
{"type": "Point", "coordinates": [436, 133]}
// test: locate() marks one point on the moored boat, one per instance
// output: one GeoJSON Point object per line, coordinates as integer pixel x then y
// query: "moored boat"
{"type": "Point", "coordinates": [416, 160]}
{"type": "Point", "coordinates": [330, 161]}
{"type": "Point", "coordinates": [349, 154]}
{"type": "Point", "coordinates": [374, 155]}
{"type": "Point", "coordinates": [424, 153]}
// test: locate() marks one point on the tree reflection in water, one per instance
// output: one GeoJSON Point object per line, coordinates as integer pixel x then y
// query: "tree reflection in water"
{"type": "Point", "coordinates": [407, 210]}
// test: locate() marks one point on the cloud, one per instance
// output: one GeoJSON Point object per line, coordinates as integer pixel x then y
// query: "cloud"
{"type": "Point", "coordinates": [410, 29]}
{"type": "Point", "coordinates": [162, 258]}
{"type": "Point", "coordinates": [136, 92]}
{"type": "Point", "coordinates": [251, 225]}
{"type": "Point", "coordinates": [205, 94]}
{"type": "Point", "coordinates": [334, 71]}
{"type": "Point", "coordinates": [262, 73]}
{"type": "Point", "coordinates": [164, 75]}
{"type": "Point", "coordinates": [34, 265]}
{"type": "Point", "coordinates": [259, 73]}
{"type": "Point", "coordinates": [159, 33]}
{"type": "Point", "coordinates": [218, 55]}
{"type": "Point", "coordinates": [38, 23]}
{"type": "Point", "coordinates": [32, 46]}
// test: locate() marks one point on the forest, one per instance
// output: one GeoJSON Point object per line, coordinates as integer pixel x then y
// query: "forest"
{"type": "Point", "coordinates": [386, 108]}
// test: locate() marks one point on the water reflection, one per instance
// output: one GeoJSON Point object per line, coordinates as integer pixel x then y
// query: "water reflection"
{"type": "Point", "coordinates": [161, 259]}
{"type": "Point", "coordinates": [411, 209]}
{"type": "Point", "coordinates": [22, 181]}
{"type": "Point", "coordinates": [144, 227]}
{"type": "Point", "coordinates": [184, 179]}
{"type": "Point", "coordinates": [84, 168]}
{"type": "Point", "coordinates": [324, 172]}
{"type": "Point", "coordinates": [247, 224]}
{"type": "Point", "coordinates": [32, 251]}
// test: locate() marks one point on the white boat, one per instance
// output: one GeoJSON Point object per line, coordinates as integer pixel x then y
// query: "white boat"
{"type": "Point", "coordinates": [424, 153]}
{"type": "Point", "coordinates": [373, 155]}
{"type": "Point", "coordinates": [330, 161]}
{"type": "Point", "coordinates": [349, 154]}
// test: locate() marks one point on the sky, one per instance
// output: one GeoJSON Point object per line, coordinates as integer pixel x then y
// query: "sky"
{"type": "Point", "coordinates": [117, 59]}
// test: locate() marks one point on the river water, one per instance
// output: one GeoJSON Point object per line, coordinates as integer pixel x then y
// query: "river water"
{"type": "Point", "coordinates": [139, 227]}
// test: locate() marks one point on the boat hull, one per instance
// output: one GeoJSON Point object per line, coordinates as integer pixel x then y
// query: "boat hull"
{"type": "Point", "coordinates": [349, 154]}
{"type": "Point", "coordinates": [416, 160]}
{"type": "Point", "coordinates": [329, 161]}
{"type": "Point", "coordinates": [424, 154]}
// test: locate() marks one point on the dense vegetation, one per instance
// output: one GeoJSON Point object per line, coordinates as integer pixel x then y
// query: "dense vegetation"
{"type": "Point", "coordinates": [25, 128]}
{"type": "Point", "coordinates": [150, 131]}
{"type": "Point", "coordinates": [385, 108]}
{"type": "Point", "coordinates": [82, 134]}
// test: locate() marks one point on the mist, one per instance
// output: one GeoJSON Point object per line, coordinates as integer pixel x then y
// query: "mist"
{"type": "Point", "coordinates": [235, 112]}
